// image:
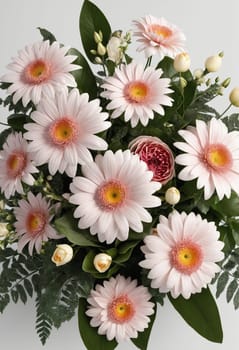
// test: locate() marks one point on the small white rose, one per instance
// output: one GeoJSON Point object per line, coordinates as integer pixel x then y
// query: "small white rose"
{"type": "Point", "coordinates": [102, 262]}
{"type": "Point", "coordinates": [182, 62]}
{"type": "Point", "coordinates": [114, 49]}
{"type": "Point", "coordinates": [172, 195]}
{"type": "Point", "coordinates": [234, 97]}
{"type": "Point", "coordinates": [213, 63]}
{"type": "Point", "coordinates": [62, 254]}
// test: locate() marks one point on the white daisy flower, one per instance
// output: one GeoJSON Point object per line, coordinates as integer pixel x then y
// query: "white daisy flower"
{"type": "Point", "coordinates": [113, 194]}
{"type": "Point", "coordinates": [33, 217]}
{"type": "Point", "coordinates": [136, 93]}
{"type": "Point", "coordinates": [39, 71]}
{"type": "Point", "coordinates": [16, 164]}
{"type": "Point", "coordinates": [63, 131]}
{"type": "Point", "coordinates": [158, 36]}
{"type": "Point", "coordinates": [181, 255]}
{"type": "Point", "coordinates": [212, 156]}
{"type": "Point", "coordinates": [119, 308]}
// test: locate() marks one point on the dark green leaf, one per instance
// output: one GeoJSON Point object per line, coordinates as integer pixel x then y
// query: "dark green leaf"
{"type": "Point", "coordinates": [92, 20]}
{"type": "Point", "coordinates": [16, 121]}
{"type": "Point", "coordinates": [236, 299]}
{"type": "Point", "coordinates": [3, 135]}
{"type": "Point", "coordinates": [4, 301]}
{"type": "Point", "coordinates": [14, 296]}
{"type": "Point", "coordinates": [231, 290]}
{"type": "Point", "coordinates": [22, 293]}
{"type": "Point", "coordinates": [228, 206]}
{"type": "Point", "coordinates": [201, 313]}
{"type": "Point", "coordinates": [67, 226]}
{"type": "Point", "coordinates": [166, 64]}
{"type": "Point", "coordinates": [46, 35]}
{"type": "Point", "coordinates": [28, 287]}
{"type": "Point", "coordinates": [143, 337]}
{"type": "Point", "coordinates": [221, 283]}
{"type": "Point", "coordinates": [85, 79]}
{"type": "Point", "coordinates": [89, 335]}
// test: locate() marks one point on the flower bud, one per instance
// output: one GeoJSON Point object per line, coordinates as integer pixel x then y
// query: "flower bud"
{"type": "Point", "coordinates": [198, 73]}
{"type": "Point", "coordinates": [101, 49]}
{"type": "Point", "coordinates": [98, 60]}
{"type": "Point", "coordinates": [234, 97]}
{"type": "Point", "coordinates": [62, 254]}
{"type": "Point", "coordinates": [182, 62]}
{"type": "Point", "coordinates": [226, 82]}
{"type": "Point", "coordinates": [3, 230]}
{"type": "Point", "coordinates": [102, 262]}
{"type": "Point", "coordinates": [183, 82]}
{"type": "Point", "coordinates": [213, 63]}
{"type": "Point", "coordinates": [172, 195]}
{"type": "Point", "coordinates": [98, 37]}
{"type": "Point", "coordinates": [113, 49]}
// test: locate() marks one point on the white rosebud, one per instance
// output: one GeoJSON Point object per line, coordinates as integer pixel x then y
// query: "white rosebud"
{"type": "Point", "coordinates": [3, 230]}
{"type": "Point", "coordinates": [182, 62]}
{"type": "Point", "coordinates": [213, 63]}
{"type": "Point", "coordinates": [114, 50]}
{"type": "Point", "coordinates": [102, 262]}
{"type": "Point", "coordinates": [234, 97]}
{"type": "Point", "coordinates": [101, 49]}
{"type": "Point", "coordinates": [98, 37]}
{"type": "Point", "coordinates": [62, 254]}
{"type": "Point", "coordinates": [172, 195]}
{"type": "Point", "coordinates": [1, 205]}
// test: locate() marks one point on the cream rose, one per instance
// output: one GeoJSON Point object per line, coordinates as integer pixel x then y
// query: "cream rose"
{"type": "Point", "coordinates": [62, 254]}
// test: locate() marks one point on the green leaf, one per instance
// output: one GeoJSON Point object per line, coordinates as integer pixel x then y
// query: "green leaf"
{"type": "Point", "coordinates": [201, 313]}
{"type": "Point", "coordinates": [92, 20]}
{"type": "Point", "coordinates": [28, 287]}
{"type": "Point", "coordinates": [85, 79]}
{"type": "Point", "coordinates": [16, 121]}
{"type": "Point", "coordinates": [3, 135]}
{"type": "Point", "coordinates": [228, 206]}
{"type": "Point", "coordinates": [143, 337]}
{"type": "Point", "coordinates": [236, 299]}
{"type": "Point", "coordinates": [166, 64]}
{"type": "Point", "coordinates": [231, 290]}
{"type": "Point", "coordinates": [221, 283]}
{"type": "Point", "coordinates": [46, 35]}
{"type": "Point", "coordinates": [22, 293]}
{"type": "Point", "coordinates": [89, 335]}
{"type": "Point", "coordinates": [67, 226]}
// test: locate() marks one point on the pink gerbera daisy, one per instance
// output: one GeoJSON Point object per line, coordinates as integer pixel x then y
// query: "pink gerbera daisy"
{"type": "Point", "coordinates": [182, 254]}
{"type": "Point", "coordinates": [32, 224]}
{"type": "Point", "coordinates": [64, 128]}
{"type": "Point", "coordinates": [16, 164]}
{"type": "Point", "coordinates": [212, 156]}
{"type": "Point", "coordinates": [158, 36]}
{"type": "Point", "coordinates": [120, 308]}
{"type": "Point", "coordinates": [39, 70]}
{"type": "Point", "coordinates": [113, 195]}
{"type": "Point", "coordinates": [136, 93]}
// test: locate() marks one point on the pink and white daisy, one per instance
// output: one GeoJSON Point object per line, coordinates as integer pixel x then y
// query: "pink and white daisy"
{"type": "Point", "coordinates": [113, 194]}
{"type": "Point", "coordinates": [158, 36]}
{"type": "Point", "coordinates": [64, 128]}
{"type": "Point", "coordinates": [40, 70]}
{"type": "Point", "coordinates": [120, 308]}
{"type": "Point", "coordinates": [137, 93]}
{"type": "Point", "coordinates": [16, 164]}
{"type": "Point", "coordinates": [212, 156]}
{"type": "Point", "coordinates": [182, 254]}
{"type": "Point", "coordinates": [33, 217]}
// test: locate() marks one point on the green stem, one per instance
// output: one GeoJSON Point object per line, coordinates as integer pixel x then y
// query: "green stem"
{"type": "Point", "coordinates": [148, 63]}
{"type": "Point", "coordinates": [228, 107]}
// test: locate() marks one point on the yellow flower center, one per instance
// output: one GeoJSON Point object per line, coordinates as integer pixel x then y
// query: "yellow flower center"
{"type": "Point", "coordinates": [36, 222]}
{"type": "Point", "coordinates": [160, 32]}
{"type": "Point", "coordinates": [37, 72]}
{"type": "Point", "coordinates": [136, 92]}
{"type": "Point", "coordinates": [110, 195]}
{"type": "Point", "coordinates": [16, 163]}
{"type": "Point", "coordinates": [121, 310]}
{"type": "Point", "coordinates": [186, 257]}
{"type": "Point", "coordinates": [218, 157]}
{"type": "Point", "coordinates": [63, 131]}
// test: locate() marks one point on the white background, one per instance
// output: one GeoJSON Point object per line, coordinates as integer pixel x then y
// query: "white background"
{"type": "Point", "coordinates": [210, 27]}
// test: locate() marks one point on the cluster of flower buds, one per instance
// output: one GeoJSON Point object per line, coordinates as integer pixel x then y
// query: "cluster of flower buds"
{"type": "Point", "coordinates": [115, 48]}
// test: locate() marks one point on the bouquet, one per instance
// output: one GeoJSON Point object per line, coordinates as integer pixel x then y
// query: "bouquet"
{"type": "Point", "coordinates": [119, 183]}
